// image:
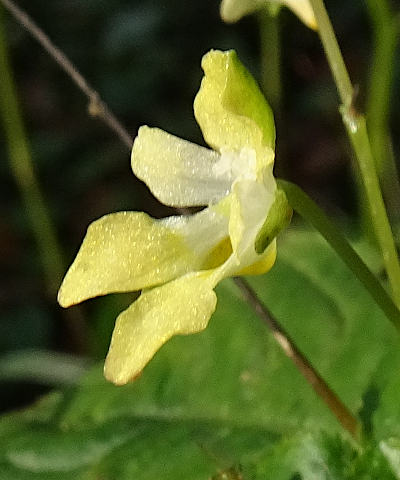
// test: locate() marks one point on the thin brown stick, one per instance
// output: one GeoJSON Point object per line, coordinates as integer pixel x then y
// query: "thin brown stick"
{"type": "Point", "coordinates": [321, 388]}
{"type": "Point", "coordinates": [97, 107]}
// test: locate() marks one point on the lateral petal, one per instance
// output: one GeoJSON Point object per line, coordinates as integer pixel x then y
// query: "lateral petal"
{"type": "Point", "coordinates": [180, 307]}
{"type": "Point", "coordinates": [250, 204]}
{"type": "Point", "coordinates": [178, 172]}
{"type": "Point", "coordinates": [129, 251]}
{"type": "Point", "coordinates": [230, 108]}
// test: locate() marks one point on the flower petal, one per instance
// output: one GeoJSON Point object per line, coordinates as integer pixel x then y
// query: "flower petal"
{"type": "Point", "coordinates": [304, 10]}
{"type": "Point", "coordinates": [180, 307]}
{"type": "Point", "coordinates": [266, 262]}
{"type": "Point", "coordinates": [234, 10]}
{"type": "Point", "coordinates": [250, 204]}
{"type": "Point", "coordinates": [179, 173]}
{"type": "Point", "coordinates": [129, 251]}
{"type": "Point", "coordinates": [122, 252]}
{"type": "Point", "coordinates": [230, 108]}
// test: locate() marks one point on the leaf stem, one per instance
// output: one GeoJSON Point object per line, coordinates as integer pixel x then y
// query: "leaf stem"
{"type": "Point", "coordinates": [321, 388]}
{"type": "Point", "coordinates": [96, 108]}
{"type": "Point", "coordinates": [386, 30]}
{"type": "Point", "coordinates": [357, 131]}
{"type": "Point", "coordinates": [309, 210]}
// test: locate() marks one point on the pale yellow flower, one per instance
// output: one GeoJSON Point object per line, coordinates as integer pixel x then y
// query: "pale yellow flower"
{"type": "Point", "coordinates": [234, 10]}
{"type": "Point", "coordinates": [178, 261]}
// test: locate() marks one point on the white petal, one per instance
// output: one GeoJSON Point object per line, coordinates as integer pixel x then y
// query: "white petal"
{"type": "Point", "coordinates": [179, 173]}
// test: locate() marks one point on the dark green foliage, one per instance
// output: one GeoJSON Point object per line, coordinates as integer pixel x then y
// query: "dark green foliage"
{"type": "Point", "coordinates": [226, 403]}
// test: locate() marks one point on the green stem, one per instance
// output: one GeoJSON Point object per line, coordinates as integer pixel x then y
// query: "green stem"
{"type": "Point", "coordinates": [309, 210]}
{"type": "Point", "coordinates": [386, 29]}
{"type": "Point", "coordinates": [23, 171]}
{"type": "Point", "coordinates": [270, 57]}
{"type": "Point", "coordinates": [357, 131]}
{"type": "Point", "coordinates": [333, 53]}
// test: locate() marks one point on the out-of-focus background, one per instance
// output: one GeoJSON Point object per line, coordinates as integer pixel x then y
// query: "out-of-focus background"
{"type": "Point", "coordinates": [143, 57]}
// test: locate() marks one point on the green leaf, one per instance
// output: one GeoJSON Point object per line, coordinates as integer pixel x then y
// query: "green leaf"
{"type": "Point", "coordinates": [41, 366]}
{"type": "Point", "coordinates": [225, 401]}
{"type": "Point", "coordinates": [321, 456]}
{"type": "Point", "coordinates": [329, 314]}
{"type": "Point", "coordinates": [386, 418]}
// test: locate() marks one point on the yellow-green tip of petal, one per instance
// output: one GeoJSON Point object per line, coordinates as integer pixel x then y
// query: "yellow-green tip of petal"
{"type": "Point", "coordinates": [230, 108]}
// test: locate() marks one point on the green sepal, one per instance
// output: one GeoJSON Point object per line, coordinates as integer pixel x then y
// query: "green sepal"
{"type": "Point", "coordinates": [278, 218]}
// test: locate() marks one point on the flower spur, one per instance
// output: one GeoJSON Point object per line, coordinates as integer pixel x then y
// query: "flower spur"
{"type": "Point", "coordinates": [178, 261]}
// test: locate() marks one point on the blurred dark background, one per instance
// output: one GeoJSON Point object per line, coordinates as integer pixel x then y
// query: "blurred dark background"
{"type": "Point", "coordinates": [143, 57]}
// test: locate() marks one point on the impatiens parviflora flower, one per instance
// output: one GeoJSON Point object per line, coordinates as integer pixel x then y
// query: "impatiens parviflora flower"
{"type": "Point", "coordinates": [178, 261]}
{"type": "Point", "coordinates": [234, 10]}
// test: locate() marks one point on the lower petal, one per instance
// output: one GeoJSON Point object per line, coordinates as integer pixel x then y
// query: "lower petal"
{"type": "Point", "coordinates": [180, 307]}
{"type": "Point", "coordinates": [123, 252]}
{"type": "Point", "coordinates": [129, 251]}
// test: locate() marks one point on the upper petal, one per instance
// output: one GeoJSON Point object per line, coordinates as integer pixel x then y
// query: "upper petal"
{"type": "Point", "coordinates": [183, 306]}
{"type": "Point", "coordinates": [234, 10]}
{"type": "Point", "coordinates": [129, 251]}
{"type": "Point", "coordinates": [178, 172]}
{"type": "Point", "coordinates": [230, 108]}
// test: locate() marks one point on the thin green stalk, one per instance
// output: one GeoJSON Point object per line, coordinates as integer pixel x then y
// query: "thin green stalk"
{"type": "Point", "coordinates": [386, 30]}
{"type": "Point", "coordinates": [271, 81]}
{"type": "Point", "coordinates": [357, 131]}
{"type": "Point", "coordinates": [309, 210]}
{"type": "Point", "coordinates": [23, 171]}
{"type": "Point", "coordinates": [333, 53]}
